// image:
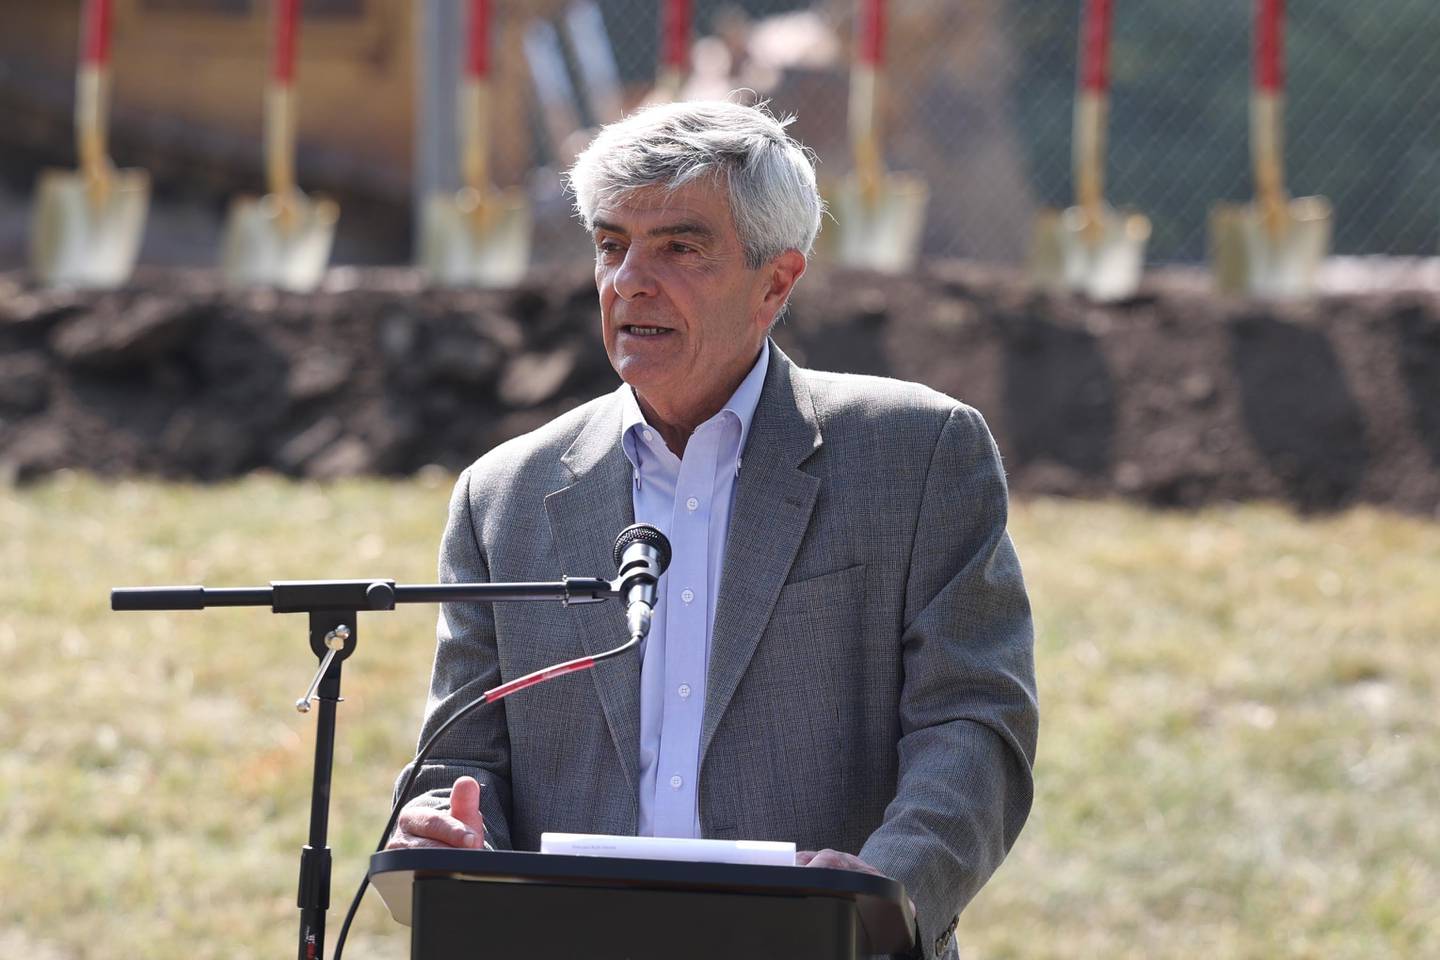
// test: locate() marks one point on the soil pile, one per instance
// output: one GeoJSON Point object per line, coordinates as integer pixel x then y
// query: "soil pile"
{"type": "Point", "coordinates": [1176, 398]}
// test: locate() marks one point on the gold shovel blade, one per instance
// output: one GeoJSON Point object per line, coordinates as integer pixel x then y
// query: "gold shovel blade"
{"type": "Point", "coordinates": [470, 239]}
{"type": "Point", "coordinates": [1270, 258]}
{"type": "Point", "coordinates": [88, 235]}
{"type": "Point", "coordinates": [880, 231]}
{"type": "Point", "coordinates": [1104, 261]}
{"type": "Point", "coordinates": [272, 242]}
{"type": "Point", "coordinates": [1046, 264]}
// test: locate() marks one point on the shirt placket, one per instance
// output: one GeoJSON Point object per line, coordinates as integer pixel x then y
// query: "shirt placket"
{"type": "Point", "coordinates": [686, 620]}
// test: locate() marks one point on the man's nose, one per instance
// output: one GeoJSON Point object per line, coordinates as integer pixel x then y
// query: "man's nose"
{"type": "Point", "coordinates": [634, 276]}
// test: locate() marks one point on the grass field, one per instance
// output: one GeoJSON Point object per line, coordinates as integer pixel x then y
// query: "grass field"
{"type": "Point", "coordinates": [1240, 753]}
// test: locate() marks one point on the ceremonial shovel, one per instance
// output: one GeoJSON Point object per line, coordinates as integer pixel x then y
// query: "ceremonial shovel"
{"type": "Point", "coordinates": [283, 238]}
{"type": "Point", "coordinates": [88, 224]}
{"type": "Point", "coordinates": [1273, 246]}
{"type": "Point", "coordinates": [1090, 247]}
{"type": "Point", "coordinates": [878, 215]}
{"type": "Point", "coordinates": [674, 51]}
{"type": "Point", "coordinates": [478, 236]}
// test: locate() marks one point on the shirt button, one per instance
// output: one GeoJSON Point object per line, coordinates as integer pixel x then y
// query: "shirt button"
{"type": "Point", "coordinates": [684, 691]}
{"type": "Point", "coordinates": [648, 435]}
{"type": "Point", "coordinates": [676, 782]}
{"type": "Point", "coordinates": [692, 504]}
{"type": "Point", "coordinates": [687, 595]}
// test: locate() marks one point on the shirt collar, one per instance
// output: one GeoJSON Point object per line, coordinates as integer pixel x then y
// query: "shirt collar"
{"type": "Point", "coordinates": [741, 405]}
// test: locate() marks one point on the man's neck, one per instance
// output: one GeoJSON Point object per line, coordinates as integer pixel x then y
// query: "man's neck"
{"type": "Point", "coordinates": [677, 422]}
{"type": "Point", "coordinates": [675, 428]}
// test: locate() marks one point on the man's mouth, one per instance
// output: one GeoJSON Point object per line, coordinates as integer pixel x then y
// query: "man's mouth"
{"type": "Point", "coordinates": [639, 331]}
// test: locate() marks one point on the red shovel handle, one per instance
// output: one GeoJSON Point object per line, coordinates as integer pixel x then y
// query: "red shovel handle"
{"type": "Point", "coordinates": [1095, 47]}
{"type": "Point", "coordinates": [1270, 46]}
{"type": "Point", "coordinates": [871, 28]}
{"type": "Point", "coordinates": [95, 38]}
{"type": "Point", "coordinates": [287, 23]}
{"type": "Point", "coordinates": [676, 34]}
{"type": "Point", "coordinates": [477, 60]}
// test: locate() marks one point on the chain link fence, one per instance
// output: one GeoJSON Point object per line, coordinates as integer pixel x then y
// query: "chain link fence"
{"type": "Point", "coordinates": [979, 96]}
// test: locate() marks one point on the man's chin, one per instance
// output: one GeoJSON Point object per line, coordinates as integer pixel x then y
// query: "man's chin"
{"type": "Point", "coordinates": [640, 370]}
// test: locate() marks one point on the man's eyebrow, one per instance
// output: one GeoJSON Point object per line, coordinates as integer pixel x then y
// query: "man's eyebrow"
{"type": "Point", "coordinates": [691, 228]}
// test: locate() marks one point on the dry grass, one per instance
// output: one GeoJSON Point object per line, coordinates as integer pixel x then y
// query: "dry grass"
{"type": "Point", "coordinates": [1239, 755]}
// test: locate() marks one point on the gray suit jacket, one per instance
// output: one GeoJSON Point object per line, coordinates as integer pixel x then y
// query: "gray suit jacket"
{"type": "Point", "coordinates": [871, 684]}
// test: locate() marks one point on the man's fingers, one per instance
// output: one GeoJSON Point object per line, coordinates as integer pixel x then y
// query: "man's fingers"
{"type": "Point", "coordinates": [803, 857]}
{"type": "Point", "coordinates": [833, 859]}
{"type": "Point", "coordinates": [436, 826]}
{"type": "Point", "coordinates": [465, 804]}
{"type": "Point", "coordinates": [836, 860]}
{"type": "Point", "coordinates": [401, 840]}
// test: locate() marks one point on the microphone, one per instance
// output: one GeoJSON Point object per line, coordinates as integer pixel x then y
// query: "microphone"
{"type": "Point", "coordinates": [642, 554]}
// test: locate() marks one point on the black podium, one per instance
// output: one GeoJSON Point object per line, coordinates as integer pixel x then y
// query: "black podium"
{"type": "Point", "coordinates": [471, 904]}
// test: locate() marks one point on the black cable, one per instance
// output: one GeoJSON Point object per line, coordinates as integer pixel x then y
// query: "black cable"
{"type": "Point", "coordinates": [489, 696]}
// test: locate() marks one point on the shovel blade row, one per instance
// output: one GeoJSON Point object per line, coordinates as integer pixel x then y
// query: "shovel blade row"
{"type": "Point", "coordinates": [82, 239]}
{"type": "Point", "coordinates": [880, 233]}
{"type": "Point", "coordinates": [1105, 264]}
{"type": "Point", "coordinates": [1251, 257]}
{"type": "Point", "coordinates": [464, 247]}
{"type": "Point", "coordinates": [262, 248]}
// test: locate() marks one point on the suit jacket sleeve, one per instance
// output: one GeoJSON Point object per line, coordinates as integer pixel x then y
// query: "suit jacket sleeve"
{"type": "Point", "coordinates": [969, 718]}
{"type": "Point", "coordinates": [466, 665]}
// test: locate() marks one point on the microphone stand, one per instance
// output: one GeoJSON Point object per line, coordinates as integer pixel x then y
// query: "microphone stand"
{"type": "Point", "coordinates": [333, 607]}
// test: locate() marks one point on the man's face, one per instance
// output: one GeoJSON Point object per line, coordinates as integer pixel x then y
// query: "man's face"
{"type": "Point", "coordinates": [683, 316]}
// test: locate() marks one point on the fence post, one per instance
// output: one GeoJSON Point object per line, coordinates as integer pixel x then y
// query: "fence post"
{"type": "Point", "coordinates": [438, 35]}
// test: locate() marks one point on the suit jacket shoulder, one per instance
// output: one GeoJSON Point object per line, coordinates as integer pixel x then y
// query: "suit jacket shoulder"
{"type": "Point", "coordinates": [539, 452]}
{"type": "Point", "coordinates": [890, 425]}
{"type": "Point", "coordinates": [849, 400]}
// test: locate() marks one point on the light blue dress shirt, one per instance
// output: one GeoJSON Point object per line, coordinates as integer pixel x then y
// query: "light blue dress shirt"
{"type": "Point", "coordinates": [689, 500]}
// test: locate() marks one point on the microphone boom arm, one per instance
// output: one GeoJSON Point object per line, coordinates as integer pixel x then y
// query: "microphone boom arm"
{"type": "Point", "coordinates": [308, 596]}
{"type": "Point", "coordinates": [641, 553]}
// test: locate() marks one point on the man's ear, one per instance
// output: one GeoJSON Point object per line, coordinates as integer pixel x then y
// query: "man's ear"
{"type": "Point", "coordinates": [780, 276]}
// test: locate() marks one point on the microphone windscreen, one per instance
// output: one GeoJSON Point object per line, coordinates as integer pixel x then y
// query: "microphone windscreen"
{"type": "Point", "coordinates": [648, 535]}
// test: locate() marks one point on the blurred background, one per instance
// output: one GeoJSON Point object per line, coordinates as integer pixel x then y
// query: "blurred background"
{"type": "Point", "coordinates": [978, 103]}
{"type": "Point", "coordinates": [1227, 505]}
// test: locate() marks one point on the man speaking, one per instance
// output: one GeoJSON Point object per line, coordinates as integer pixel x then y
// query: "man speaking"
{"type": "Point", "coordinates": [841, 653]}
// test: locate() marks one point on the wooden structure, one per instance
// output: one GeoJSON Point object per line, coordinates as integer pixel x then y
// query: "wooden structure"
{"type": "Point", "coordinates": [202, 64]}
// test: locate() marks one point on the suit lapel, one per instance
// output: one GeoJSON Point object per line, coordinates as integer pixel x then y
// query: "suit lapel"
{"type": "Point", "coordinates": [584, 519]}
{"type": "Point", "coordinates": [773, 501]}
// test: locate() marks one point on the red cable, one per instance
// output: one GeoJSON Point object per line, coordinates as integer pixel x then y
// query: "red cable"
{"type": "Point", "coordinates": [539, 676]}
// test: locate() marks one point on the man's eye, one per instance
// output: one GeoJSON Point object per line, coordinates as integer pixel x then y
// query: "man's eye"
{"type": "Point", "coordinates": [677, 247]}
{"type": "Point", "coordinates": [606, 247]}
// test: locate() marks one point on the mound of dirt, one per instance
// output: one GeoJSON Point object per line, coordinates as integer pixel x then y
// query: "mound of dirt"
{"type": "Point", "coordinates": [1176, 398]}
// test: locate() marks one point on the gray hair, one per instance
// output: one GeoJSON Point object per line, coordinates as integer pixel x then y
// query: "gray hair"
{"type": "Point", "coordinates": [769, 177]}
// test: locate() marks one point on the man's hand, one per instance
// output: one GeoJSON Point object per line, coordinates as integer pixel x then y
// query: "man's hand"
{"type": "Point", "coordinates": [836, 860]}
{"type": "Point", "coordinates": [462, 826]}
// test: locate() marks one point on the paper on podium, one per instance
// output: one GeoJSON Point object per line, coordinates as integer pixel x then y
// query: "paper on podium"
{"type": "Point", "coordinates": [766, 852]}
